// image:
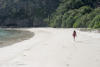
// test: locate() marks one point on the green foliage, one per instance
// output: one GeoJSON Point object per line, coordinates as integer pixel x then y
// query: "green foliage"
{"type": "Point", "coordinates": [53, 13]}
{"type": "Point", "coordinates": [96, 22]}
{"type": "Point", "coordinates": [76, 13]}
{"type": "Point", "coordinates": [57, 21]}
{"type": "Point", "coordinates": [92, 15]}
{"type": "Point", "coordinates": [34, 11]}
{"type": "Point", "coordinates": [85, 9]}
{"type": "Point", "coordinates": [82, 22]}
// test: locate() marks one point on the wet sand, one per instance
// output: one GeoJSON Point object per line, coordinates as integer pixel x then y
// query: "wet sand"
{"type": "Point", "coordinates": [17, 35]}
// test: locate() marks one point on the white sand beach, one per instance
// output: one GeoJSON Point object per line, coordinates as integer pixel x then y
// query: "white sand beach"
{"type": "Point", "coordinates": [51, 47]}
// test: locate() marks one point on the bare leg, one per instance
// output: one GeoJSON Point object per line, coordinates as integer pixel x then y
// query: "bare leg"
{"type": "Point", "coordinates": [74, 38]}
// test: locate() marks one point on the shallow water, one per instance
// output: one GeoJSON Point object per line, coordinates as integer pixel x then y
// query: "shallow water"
{"type": "Point", "coordinates": [8, 37]}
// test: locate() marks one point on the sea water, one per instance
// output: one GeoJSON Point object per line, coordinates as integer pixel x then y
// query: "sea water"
{"type": "Point", "coordinates": [8, 37]}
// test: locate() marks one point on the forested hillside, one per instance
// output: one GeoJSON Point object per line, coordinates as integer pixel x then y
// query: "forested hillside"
{"type": "Point", "coordinates": [53, 13]}
{"type": "Point", "coordinates": [26, 13]}
{"type": "Point", "coordinates": [76, 13]}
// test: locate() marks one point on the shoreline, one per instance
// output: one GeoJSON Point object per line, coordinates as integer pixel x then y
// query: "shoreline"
{"type": "Point", "coordinates": [23, 35]}
{"type": "Point", "coordinates": [53, 48]}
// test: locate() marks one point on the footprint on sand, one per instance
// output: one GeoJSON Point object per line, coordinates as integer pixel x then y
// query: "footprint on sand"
{"type": "Point", "coordinates": [69, 58]}
{"type": "Point", "coordinates": [67, 65]}
{"type": "Point", "coordinates": [19, 63]}
{"type": "Point", "coordinates": [27, 49]}
{"type": "Point", "coordinates": [45, 44]}
{"type": "Point", "coordinates": [79, 41]}
{"type": "Point", "coordinates": [64, 46]}
{"type": "Point", "coordinates": [24, 55]}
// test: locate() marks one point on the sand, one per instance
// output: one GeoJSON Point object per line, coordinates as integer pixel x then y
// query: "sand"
{"type": "Point", "coordinates": [52, 47]}
{"type": "Point", "coordinates": [13, 36]}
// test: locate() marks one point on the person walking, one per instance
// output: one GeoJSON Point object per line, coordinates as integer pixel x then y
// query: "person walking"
{"type": "Point", "coordinates": [74, 34]}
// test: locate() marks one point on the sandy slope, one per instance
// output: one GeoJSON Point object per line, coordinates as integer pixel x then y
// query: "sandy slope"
{"type": "Point", "coordinates": [53, 48]}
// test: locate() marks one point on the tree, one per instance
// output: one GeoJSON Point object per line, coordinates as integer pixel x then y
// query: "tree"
{"type": "Point", "coordinates": [96, 22]}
